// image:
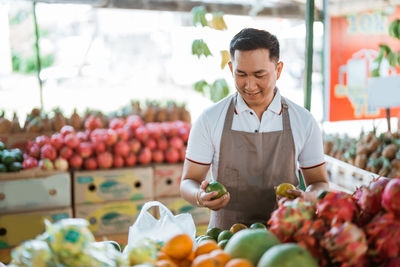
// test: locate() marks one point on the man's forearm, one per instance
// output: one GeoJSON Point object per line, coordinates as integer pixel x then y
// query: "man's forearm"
{"type": "Point", "coordinates": [189, 190]}
{"type": "Point", "coordinates": [317, 187]}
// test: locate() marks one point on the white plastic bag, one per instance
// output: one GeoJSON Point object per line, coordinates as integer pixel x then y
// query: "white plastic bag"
{"type": "Point", "coordinates": [146, 226]}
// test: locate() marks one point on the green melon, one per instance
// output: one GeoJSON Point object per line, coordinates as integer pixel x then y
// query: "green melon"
{"type": "Point", "coordinates": [251, 244]}
{"type": "Point", "coordinates": [288, 255]}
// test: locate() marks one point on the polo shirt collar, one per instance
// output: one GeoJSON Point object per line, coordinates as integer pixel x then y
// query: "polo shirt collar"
{"type": "Point", "coordinates": [275, 105]}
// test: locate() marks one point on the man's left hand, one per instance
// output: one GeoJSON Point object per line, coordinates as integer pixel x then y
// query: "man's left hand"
{"type": "Point", "coordinates": [307, 196]}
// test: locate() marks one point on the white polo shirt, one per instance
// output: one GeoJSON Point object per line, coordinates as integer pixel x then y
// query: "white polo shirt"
{"type": "Point", "coordinates": [205, 135]}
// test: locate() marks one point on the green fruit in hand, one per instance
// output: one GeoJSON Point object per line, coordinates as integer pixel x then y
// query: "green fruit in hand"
{"type": "Point", "coordinates": [213, 232]}
{"type": "Point", "coordinates": [224, 235]}
{"type": "Point", "coordinates": [258, 225]}
{"type": "Point", "coordinates": [281, 190]}
{"type": "Point", "coordinates": [215, 186]}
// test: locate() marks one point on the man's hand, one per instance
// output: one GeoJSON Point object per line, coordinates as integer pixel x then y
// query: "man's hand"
{"type": "Point", "coordinates": [205, 198]}
{"type": "Point", "coordinates": [307, 196]}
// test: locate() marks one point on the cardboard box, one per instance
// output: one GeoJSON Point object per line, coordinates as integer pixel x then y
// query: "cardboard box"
{"type": "Point", "coordinates": [110, 218]}
{"type": "Point", "coordinates": [18, 227]}
{"type": "Point", "coordinates": [178, 205]}
{"type": "Point", "coordinates": [109, 185]}
{"type": "Point", "coordinates": [167, 178]}
{"type": "Point", "coordinates": [51, 191]}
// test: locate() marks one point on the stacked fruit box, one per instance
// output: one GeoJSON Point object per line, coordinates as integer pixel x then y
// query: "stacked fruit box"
{"type": "Point", "coordinates": [26, 199]}
{"type": "Point", "coordinates": [111, 199]}
{"type": "Point", "coordinates": [166, 190]}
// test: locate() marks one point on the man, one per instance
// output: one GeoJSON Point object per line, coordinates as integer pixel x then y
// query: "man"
{"type": "Point", "coordinates": [253, 140]}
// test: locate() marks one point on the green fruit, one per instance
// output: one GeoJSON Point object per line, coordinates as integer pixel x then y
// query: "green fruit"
{"type": "Point", "coordinates": [2, 146]}
{"type": "Point", "coordinates": [288, 255]}
{"type": "Point", "coordinates": [224, 235]}
{"type": "Point", "coordinates": [8, 157]}
{"type": "Point", "coordinates": [215, 186]}
{"type": "Point", "coordinates": [204, 238]}
{"type": "Point", "coordinates": [15, 166]}
{"type": "Point", "coordinates": [3, 168]}
{"type": "Point", "coordinates": [258, 225]}
{"type": "Point", "coordinates": [222, 243]}
{"type": "Point", "coordinates": [213, 232]}
{"type": "Point", "coordinates": [17, 154]}
{"type": "Point", "coordinates": [393, 29]}
{"type": "Point", "coordinates": [251, 244]}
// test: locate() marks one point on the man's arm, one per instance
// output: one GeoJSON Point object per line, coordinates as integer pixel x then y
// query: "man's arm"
{"type": "Point", "coordinates": [193, 186]}
{"type": "Point", "coordinates": [316, 180]}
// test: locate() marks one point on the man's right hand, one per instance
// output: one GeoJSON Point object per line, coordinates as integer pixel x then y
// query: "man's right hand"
{"type": "Point", "coordinates": [205, 198]}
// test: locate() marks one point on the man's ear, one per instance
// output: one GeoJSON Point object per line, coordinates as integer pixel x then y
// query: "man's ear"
{"type": "Point", "coordinates": [230, 66]}
{"type": "Point", "coordinates": [279, 67]}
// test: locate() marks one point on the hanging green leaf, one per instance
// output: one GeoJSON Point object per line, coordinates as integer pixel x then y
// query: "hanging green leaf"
{"type": "Point", "coordinates": [219, 90]}
{"type": "Point", "coordinates": [392, 58]}
{"type": "Point", "coordinates": [199, 47]}
{"type": "Point", "coordinates": [199, 15]}
{"type": "Point", "coordinates": [375, 73]}
{"type": "Point", "coordinates": [200, 86]}
{"type": "Point", "coordinates": [384, 50]}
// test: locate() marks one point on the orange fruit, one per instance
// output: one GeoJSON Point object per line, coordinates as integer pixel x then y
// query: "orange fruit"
{"type": "Point", "coordinates": [178, 247]}
{"type": "Point", "coordinates": [205, 261]}
{"type": "Point", "coordinates": [220, 256]}
{"type": "Point", "coordinates": [206, 247]}
{"type": "Point", "coordinates": [239, 263]}
{"type": "Point", "coordinates": [191, 256]}
{"type": "Point", "coordinates": [165, 263]}
{"type": "Point", "coordinates": [184, 263]}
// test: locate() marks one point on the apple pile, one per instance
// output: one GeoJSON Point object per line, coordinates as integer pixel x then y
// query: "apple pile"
{"type": "Point", "coordinates": [126, 142]}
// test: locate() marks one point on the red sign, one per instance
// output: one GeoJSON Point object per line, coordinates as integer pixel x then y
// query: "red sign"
{"type": "Point", "coordinates": [354, 44]}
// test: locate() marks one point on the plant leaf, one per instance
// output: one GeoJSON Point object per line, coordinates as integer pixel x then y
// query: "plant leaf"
{"type": "Point", "coordinates": [219, 90]}
{"type": "Point", "coordinates": [225, 57]}
{"type": "Point", "coordinates": [200, 86]}
{"type": "Point", "coordinates": [199, 16]}
{"type": "Point", "coordinates": [217, 22]}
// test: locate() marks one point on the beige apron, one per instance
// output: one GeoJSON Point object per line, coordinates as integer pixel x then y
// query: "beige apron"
{"type": "Point", "coordinates": [250, 165]}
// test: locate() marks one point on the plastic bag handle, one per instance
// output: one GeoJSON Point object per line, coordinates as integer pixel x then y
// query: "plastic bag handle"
{"type": "Point", "coordinates": [164, 211]}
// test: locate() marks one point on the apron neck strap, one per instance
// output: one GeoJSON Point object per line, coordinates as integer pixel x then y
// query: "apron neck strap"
{"type": "Point", "coordinates": [285, 115]}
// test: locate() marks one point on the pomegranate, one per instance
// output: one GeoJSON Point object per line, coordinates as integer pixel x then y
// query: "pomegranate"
{"type": "Point", "coordinates": [118, 161]}
{"type": "Point", "coordinates": [172, 155]}
{"type": "Point", "coordinates": [121, 149]}
{"type": "Point", "coordinates": [123, 134]}
{"type": "Point", "coordinates": [134, 145]}
{"type": "Point", "coordinates": [82, 136]}
{"type": "Point", "coordinates": [66, 152]}
{"type": "Point", "coordinates": [111, 137]}
{"type": "Point", "coordinates": [71, 140]}
{"type": "Point", "coordinates": [144, 156]}
{"type": "Point", "coordinates": [141, 133]}
{"type": "Point", "coordinates": [162, 143]}
{"type": "Point", "coordinates": [151, 143]}
{"type": "Point", "coordinates": [99, 146]}
{"type": "Point", "coordinates": [75, 161]}
{"type": "Point", "coordinates": [57, 141]}
{"type": "Point", "coordinates": [85, 149]}
{"type": "Point", "coordinates": [155, 130]}
{"type": "Point", "coordinates": [133, 122]}
{"type": "Point", "coordinates": [157, 156]}
{"type": "Point", "coordinates": [130, 160]}
{"type": "Point", "coordinates": [98, 135]}
{"type": "Point", "coordinates": [176, 142]}
{"type": "Point", "coordinates": [105, 160]}
{"type": "Point", "coordinates": [46, 164]}
{"type": "Point", "coordinates": [42, 140]}
{"type": "Point", "coordinates": [48, 152]}
{"type": "Point", "coordinates": [92, 123]}
{"type": "Point", "coordinates": [391, 196]}
{"type": "Point", "coordinates": [61, 164]}
{"type": "Point", "coordinates": [116, 123]}
{"type": "Point", "coordinates": [90, 163]}
{"type": "Point", "coordinates": [67, 129]}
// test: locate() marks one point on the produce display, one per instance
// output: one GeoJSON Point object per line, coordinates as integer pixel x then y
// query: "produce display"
{"type": "Point", "coordinates": [10, 160]}
{"type": "Point", "coordinates": [379, 154]}
{"type": "Point", "coordinates": [41, 122]}
{"type": "Point", "coordinates": [362, 229]}
{"type": "Point", "coordinates": [126, 142]}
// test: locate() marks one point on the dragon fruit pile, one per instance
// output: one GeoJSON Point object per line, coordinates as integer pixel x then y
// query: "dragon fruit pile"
{"type": "Point", "coordinates": [362, 229]}
{"type": "Point", "coordinates": [126, 142]}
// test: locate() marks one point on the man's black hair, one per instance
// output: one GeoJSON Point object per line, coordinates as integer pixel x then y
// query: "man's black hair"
{"type": "Point", "coordinates": [251, 39]}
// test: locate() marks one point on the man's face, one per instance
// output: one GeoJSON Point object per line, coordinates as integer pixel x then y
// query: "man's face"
{"type": "Point", "coordinates": [255, 76]}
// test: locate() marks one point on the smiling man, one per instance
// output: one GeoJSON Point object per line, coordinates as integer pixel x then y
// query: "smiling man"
{"type": "Point", "coordinates": [253, 140]}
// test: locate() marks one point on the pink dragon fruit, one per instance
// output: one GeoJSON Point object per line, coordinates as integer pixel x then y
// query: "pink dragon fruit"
{"type": "Point", "coordinates": [391, 196]}
{"type": "Point", "coordinates": [345, 243]}
{"type": "Point", "coordinates": [369, 199]}
{"type": "Point", "coordinates": [308, 237]}
{"type": "Point", "coordinates": [336, 207]}
{"type": "Point", "coordinates": [289, 217]}
{"type": "Point", "coordinates": [383, 234]}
